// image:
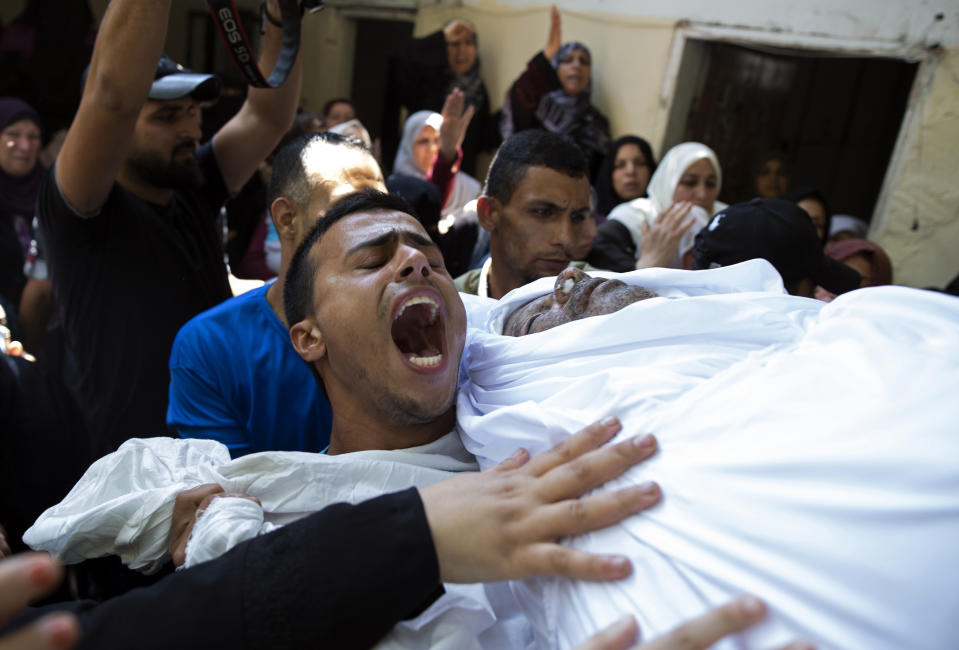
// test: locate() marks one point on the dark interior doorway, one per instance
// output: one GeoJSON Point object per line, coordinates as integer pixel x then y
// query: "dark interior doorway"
{"type": "Point", "coordinates": [835, 118]}
{"type": "Point", "coordinates": [376, 41]}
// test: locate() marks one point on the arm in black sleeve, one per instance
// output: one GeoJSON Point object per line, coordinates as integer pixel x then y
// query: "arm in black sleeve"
{"type": "Point", "coordinates": [613, 248]}
{"type": "Point", "coordinates": [340, 578]}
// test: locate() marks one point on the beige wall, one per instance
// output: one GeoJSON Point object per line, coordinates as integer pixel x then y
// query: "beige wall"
{"type": "Point", "coordinates": [922, 188]}
{"type": "Point", "coordinates": [631, 56]}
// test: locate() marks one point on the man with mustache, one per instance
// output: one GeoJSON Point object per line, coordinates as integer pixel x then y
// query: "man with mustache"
{"type": "Point", "coordinates": [130, 209]}
{"type": "Point", "coordinates": [537, 208]}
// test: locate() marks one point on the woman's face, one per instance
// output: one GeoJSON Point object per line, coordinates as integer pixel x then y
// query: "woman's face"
{"type": "Point", "coordinates": [425, 146]}
{"type": "Point", "coordinates": [19, 147]}
{"type": "Point", "coordinates": [573, 72]}
{"type": "Point", "coordinates": [772, 181]}
{"type": "Point", "coordinates": [817, 212]}
{"type": "Point", "coordinates": [699, 185]}
{"type": "Point", "coordinates": [630, 172]}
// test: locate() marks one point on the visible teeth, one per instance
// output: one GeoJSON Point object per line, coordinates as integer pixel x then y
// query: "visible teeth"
{"type": "Point", "coordinates": [425, 362]}
{"type": "Point", "coordinates": [418, 300]}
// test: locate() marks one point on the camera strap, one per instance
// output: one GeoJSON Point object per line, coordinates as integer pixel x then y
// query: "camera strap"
{"type": "Point", "coordinates": [228, 22]}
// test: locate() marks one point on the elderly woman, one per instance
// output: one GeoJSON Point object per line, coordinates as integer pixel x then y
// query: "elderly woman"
{"type": "Point", "coordinates": [20, 174]}
{"type": "Point", "coordinates": [625, 173]}
{"type": "Point", "coordinates": [682, 197]}
{"type": "Point", "coordinates": [553, 93]}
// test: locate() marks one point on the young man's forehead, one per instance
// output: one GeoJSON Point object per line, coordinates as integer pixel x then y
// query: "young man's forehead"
{"type": "Point", "coordinates": [366, 226]}
{"type": "Point", "coordinates": [554, 186]}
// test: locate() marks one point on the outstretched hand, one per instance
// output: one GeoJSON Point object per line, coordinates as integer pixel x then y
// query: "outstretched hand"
{"type": "Point", "coordinates": [505, 523]}
{"type": "Point", "coordinates": [555, 39]}
{"type": "Point", "coordinates": [455, 122]}
{"type": "Point", "coordinates": [696, 634]}
{"type": "Point", "coordinates": [661, 239]}
{"type": "Point", "coordinates": [24, 578]}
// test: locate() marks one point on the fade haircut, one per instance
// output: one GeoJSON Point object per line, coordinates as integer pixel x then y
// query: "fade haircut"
{"type": "Point", "coordinates": [531, 148]}
{"type": "Point", "coordinates": [289, 178]}
{"type": "Point", "coordinates": [298, 285]}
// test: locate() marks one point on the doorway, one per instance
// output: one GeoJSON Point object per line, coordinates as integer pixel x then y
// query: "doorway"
{"type": "Point", "coordinates": [376, 41]}
{"type": "Point", "coordinates": [835, 118]}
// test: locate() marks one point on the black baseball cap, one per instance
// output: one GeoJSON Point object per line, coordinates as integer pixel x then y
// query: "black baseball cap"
{"type": "Point", "coordinates": [775, 230]}
{"type": "Point", "coordinates": [173, 81]}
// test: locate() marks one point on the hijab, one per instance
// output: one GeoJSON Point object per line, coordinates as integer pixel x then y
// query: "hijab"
{"type": "Point", "coordinates": [574, 115]}
{"type": "Point", "coordinates": [662, 186]}
{"type": "Point", "coordinates": [18, 194]}
{"type": "Point", "coordinates": [608, 198]}
{"type": "Point", "coordinates": [878, 260]}
{"type": "Point", "coordinates": [405, 163]}
{"type": "Point", "coordinates": [465, 187]}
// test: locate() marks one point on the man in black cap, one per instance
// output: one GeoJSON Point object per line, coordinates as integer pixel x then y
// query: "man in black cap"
{"type": "Point", "coordinates": [129, 211]}
{"type": "Point", "coordinates": [779, 232]}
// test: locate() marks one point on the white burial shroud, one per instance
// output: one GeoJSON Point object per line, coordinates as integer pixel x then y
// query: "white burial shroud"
{"type": "Point", "coordinates": [123, 505]}
{"type": "Point", "coordinates": [809, 454]}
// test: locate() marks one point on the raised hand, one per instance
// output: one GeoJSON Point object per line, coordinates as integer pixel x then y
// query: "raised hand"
{"type": "Point", "coordinates": [455, 122]}
{"type": "Point", "coordinates": [555, 40]}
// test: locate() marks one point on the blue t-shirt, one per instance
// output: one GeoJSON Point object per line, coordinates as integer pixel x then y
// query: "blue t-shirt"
{"type": "Point", "coordinates": [235, 377]}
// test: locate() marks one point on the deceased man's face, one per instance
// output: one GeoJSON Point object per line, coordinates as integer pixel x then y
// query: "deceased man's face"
{"type": "Point", "coordinates": [575, 295]}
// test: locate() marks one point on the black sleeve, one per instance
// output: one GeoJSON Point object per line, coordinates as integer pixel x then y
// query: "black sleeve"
{"type": "Point", "coordinates": [213, 189]}
{"type": "Point", "coordinates": [416, 80]}
{"type": "Point", "coordinates": [340, 578]}
{"type": "Point", "coordinates": [613, 248]}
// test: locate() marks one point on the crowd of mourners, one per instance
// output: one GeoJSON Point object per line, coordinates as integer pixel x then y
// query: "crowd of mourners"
{"type": "Point", "coordinates": [153, 284]}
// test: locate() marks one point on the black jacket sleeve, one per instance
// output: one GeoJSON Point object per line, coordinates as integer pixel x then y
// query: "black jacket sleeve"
{"type": "Point", "coordinates": [613, 248]}
{"type": "Point", "coordinates": [340, 578]}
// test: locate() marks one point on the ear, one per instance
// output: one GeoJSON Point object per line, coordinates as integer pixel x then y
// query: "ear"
{"type": "Point", "coordinates": [308, 340]}
{"type": "Point", "coordinates": [488, 212]}
{"type": "Point", "coordinates": [283, 212]}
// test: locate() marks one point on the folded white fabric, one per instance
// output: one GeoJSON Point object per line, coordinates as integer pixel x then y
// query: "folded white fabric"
{"type": "Point", "coordinates": [808, 455]}
{"type": "Point", "coordinates": [123, 505]}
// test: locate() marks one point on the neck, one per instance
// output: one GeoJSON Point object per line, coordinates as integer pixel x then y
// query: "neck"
{"type": "Point", "coordinates": [151, 193]}
{"type": "Point", "coordinates": [274, 295]}
{"type": "Point", "coordinates": [361, 430]}
{"type": "Point", "coordinates": [499, 281]}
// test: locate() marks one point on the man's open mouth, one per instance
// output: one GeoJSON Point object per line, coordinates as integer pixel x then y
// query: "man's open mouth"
{"type": "Point", "coordinates": [417, 331]}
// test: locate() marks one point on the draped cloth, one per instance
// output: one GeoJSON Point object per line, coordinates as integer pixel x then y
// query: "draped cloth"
{"type": "Point", "coordinates": [808, 454]}
{"type": "Point", "coordinates": [123, 505]}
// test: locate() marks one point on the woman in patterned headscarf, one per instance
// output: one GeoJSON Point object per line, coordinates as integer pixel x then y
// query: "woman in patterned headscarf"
{"type": "Point", "coordinates": [553, 93]}
{"type": "Point", "coordinates": [20, 174]}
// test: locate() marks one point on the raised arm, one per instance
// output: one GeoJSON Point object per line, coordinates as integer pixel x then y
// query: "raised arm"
{"type": "Point", "coordinates": [125, 56]}
{"type": "Point", "coordinates": [243, 142]}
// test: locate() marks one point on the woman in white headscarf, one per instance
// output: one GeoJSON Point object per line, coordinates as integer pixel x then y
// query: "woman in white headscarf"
{"type": "Point", "coordinates": [423, 155]}
{"type": "Point", "coordinates": [659, 230]}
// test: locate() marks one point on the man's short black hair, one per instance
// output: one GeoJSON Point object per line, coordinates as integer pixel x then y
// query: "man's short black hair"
{"type": "Point", "coordinates": [298, 287]}
{"type": "Point", "coordinates": [531, 148]}
{"type": "Point", "coordinates": [289, 177]}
